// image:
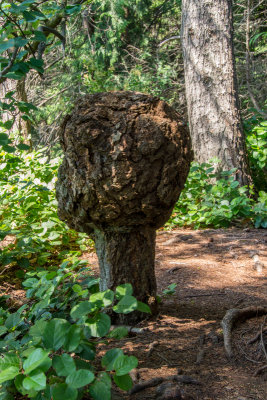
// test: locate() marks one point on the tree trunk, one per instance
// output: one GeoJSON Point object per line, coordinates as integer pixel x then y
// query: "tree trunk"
{"type": "Point", "coordinates": [128, 257]}
{"type": "Point", "coordinates": [211, 88]}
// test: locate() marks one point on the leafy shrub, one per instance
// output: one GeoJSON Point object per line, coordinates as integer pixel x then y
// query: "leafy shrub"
{"type": "Point", "coordinates": [256, 138]}
{"type": "Point", "coordinates": [49, 346]}
{"type": "Point", "coordinates": [218, 201]}
{"type": "Point", "coordinates": [28, 208]}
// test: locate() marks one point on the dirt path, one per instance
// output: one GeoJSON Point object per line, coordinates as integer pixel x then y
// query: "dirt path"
{"type": "Point", "coordinates": [215, 270]}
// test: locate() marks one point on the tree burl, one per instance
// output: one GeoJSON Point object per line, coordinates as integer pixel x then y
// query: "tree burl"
{"type": "Point", "coordinates": [127, 156]}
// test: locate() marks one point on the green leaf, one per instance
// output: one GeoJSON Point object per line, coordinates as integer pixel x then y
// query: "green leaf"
{"type": "Point", "coordinates": [123, 290]}
{"type": "Point", "coordinates": [55, 333]}
{"type": "Point", "coordinates": [143, 307]}
{"type": "Point", "coordinates": [100, 389]}
{"type": "Point", "coordinates": [64, 392]}
{"type": "Point", "coordinates": [35, 381]}
{"type": "Point", "coordinates": [102, 299]}
{"type": "Point", "coordinates": [9, 360]}
{"type": "Point", "coordinates": [3, 139]}
{"type": "Point", "coordinates": [99, 325]}
{"type": "Point", "coordinates": [123, 365]}
{"type": "Point", "coordinates": [3, 330]}
{"type": "Point", "coordinates": [118, 333]}
{"type": "Point", "coordinates": [36, 64]}
{"type": "Point", "coordinates": [124, 382]}
{"type": "Point", "coordinates": [82, 309]}
{"type": "Point", "coordinates": [8, 374]}
{"type": "Point", "coordinates": [39, 36]}
{"type": "Point", "coordinates": [23, 146]}
{"type": "Point", "coordinates": [80, 378]}
{"type": "Point", "coordinates": [109, 359]}
{"type": "Point", "coordinates": [6, 45]}
{"type": "Point", "coordinates": [35, 359]}
{"type": "Point", "coordinates": [29, 16]}
{"type": "Point", "coordinates": [126, 305]}
{"type": "Point", "coordinates": [13, 320]}
{"type": "Point", "coordinates": [9, 149]}
{"type": "Point", "coordinates": [64, 365]}
{"type": "Point", "coordinates": [73, 338]}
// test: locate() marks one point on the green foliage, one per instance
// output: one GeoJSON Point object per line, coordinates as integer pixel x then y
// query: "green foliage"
{"type": "Point", "coordinates": [28, 208]}
{"type": "Point", "coordinates": [216, 200]}
{"type": "Point", "coordinates": [49, 346]}
{"type": "Point", "coordinates": [256, 137]}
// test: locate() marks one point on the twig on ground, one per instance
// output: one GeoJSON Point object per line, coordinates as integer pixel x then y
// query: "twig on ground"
{"type": "Point", "coordinates": [234, 315]}
{"type": "Point", "coordinates": [256, 337]}
{"type": "Point", "coordinates": [262, 342]}
{"type": "Point", "coordinates": [259, 370]}
{"type": "Point", "coordinates": [151, 347]}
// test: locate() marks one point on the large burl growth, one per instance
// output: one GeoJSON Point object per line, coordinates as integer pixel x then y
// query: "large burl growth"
{"type": "Point", "coordinates": [127, 157]}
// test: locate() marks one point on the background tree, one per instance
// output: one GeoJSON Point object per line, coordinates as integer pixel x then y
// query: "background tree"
{"type": "Point", "coordinates": [211, 89]}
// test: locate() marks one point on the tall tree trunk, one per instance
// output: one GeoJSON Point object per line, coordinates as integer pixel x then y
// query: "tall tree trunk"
{"type": "Point", "coordinates": [211, 88]}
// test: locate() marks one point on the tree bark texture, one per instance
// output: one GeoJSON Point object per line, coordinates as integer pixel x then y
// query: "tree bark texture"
{"type": "Point", "coordinates": [127, 256]}
{"type": "Point", "coordinates": [127, 156]}
{"type": "Point", "coordinates": [211, 88]}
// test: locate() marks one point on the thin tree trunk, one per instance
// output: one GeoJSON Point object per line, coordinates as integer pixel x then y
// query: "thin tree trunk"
{"type": "Point", "coordinates": [211, 88]}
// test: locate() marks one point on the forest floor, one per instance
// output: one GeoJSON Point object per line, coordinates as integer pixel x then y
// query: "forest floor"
{"type": "Point", "coordinates": [214, 270]}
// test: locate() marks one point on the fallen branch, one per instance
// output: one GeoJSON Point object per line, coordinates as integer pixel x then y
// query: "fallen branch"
{"type": "Point", "coordinates": [156, 381]}
{"type": "Point", "coordinates": [230, 319]}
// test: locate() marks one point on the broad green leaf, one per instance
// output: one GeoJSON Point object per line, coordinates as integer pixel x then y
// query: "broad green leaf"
{"type": "Point", "coordinates": [82, 309]}
{"type": "Point", "coordinates": [55, 333]}
{"type": "Point", "coordinates": [6, 45]}
{"type": "Point", "coordinates": [100, 389]}
{"type": "Point", "coordinates": [35, 359]}
{"type": "Point", "coordinates": [64, 365]}
{"type": "Point", "coordinates": [35, 381]}
{"type": "Point", "coordinates": [109, 359]}
{"type": "Point", "coordinates": [143, 307]}
{"type": "Point", "coordinates": [9, 360]}
{"type": "Point", "coordinates": [13, 320]}
{"type": "Point", "coordinates": [86, 350]}
{"type": "Point", "coordinates": [22, 146]}
{"type": "Point", "coordinates": [80, 378]}
{"type": "Point", "coordinates": [3, 330]}
{"type": "Point", "coordinates": [122, 290]}
{"type": "Point", "coordinates": [8, 374]}
{"type": "Point", "coordinates": [102, 299]}
{"type": "Point", "coordinates": [3, 138]}
{"type": "Point", "coordinates": [37, 330]}
{"type": "Point", "coordinates": [123, 365]}
{"type": "Point", "coordinates": [124, 382]}
{"type": "Point", "coordinates": [126, 305]}
{"type": "Point", "coordinates": [73, 338]}
{"type": "Point", "coordinates": [6, 147]}
{"type": "Point", "coordinates": [62, 391]}
{"type": "Point", "coordinates": [99, 325]}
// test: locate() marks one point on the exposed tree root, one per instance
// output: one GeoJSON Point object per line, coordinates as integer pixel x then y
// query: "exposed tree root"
{"type": "Point", "coordinates": [230, 319]}
{"type": "Point", "coordinates": [157, 381]}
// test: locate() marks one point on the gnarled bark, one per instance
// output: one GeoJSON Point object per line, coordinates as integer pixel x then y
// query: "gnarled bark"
{"type": "Point", "coordinates": [127, 157]}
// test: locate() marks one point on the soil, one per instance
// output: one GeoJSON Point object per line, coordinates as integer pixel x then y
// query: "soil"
{"type": "Point", "coordinates": [214, 270]}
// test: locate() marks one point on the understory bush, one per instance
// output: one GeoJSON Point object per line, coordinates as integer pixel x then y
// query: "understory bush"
{"type": "Point", "coordinates": [28, 208]}
{"type": "Point", "coordinates": [256, 138]}
{"type": "Point", "coordinates": [212, 200]}
{"type": "Point", "coordinates": [50, 346]}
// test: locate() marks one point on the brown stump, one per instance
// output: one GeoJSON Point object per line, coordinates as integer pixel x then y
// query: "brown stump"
{"type": "Point", "coordinates": [127, 156]}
